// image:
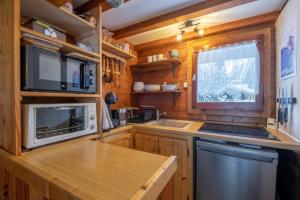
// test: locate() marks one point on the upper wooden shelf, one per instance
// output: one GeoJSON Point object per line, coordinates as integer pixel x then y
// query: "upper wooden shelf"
{"type": "Point", "coordinates": [171, 63]}
{"type": "Point", "coordinates": [116, 51]}
{"type": "Point", "coordinates": [66, 47]}
{"type": "Point", "coordinates": [60, 17]}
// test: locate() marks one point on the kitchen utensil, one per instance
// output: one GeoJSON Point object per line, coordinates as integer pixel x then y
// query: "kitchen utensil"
{"type": "Point", "coordinates": [111, 98]}
{"type": "Point", "coordinates": [286, 105]}
{"type": "Point", "coordinates": [279, 108]}
{"type": "Point", "coordinates": [111, 76]}
{"type": "Point", "coordinates": [174, 53]}
{"type": "Point", "coordinates": [122, 70]}
{"type": "Point", "coordinates": [105, 76]}
{"type": "Point", "coordinates": [122, 116]}
{"type": "Point", "coordinates": [152, 87]}
{"type": "Point", "coordinates": [282, 107]}
{"type": "Point", "coordinates": [117, 72]}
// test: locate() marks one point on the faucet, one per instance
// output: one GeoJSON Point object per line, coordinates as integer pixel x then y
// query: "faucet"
{"type": "Point", "coordinates": [160, 114]}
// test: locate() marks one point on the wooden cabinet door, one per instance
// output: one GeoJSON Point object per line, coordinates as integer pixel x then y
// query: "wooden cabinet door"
{"type": "Point", "coordinates": [145, 142]}
{"type": "Point", "coordinates": [177, 188]}
{"type": "Point", "coordinates": [123, 139]}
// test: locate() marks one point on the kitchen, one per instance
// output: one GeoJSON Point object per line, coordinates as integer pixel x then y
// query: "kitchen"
{"type": "Point", "coordinates": [176, 99]}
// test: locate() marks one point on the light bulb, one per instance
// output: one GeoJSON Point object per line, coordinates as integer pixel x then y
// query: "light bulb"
{"type": "Point", "coordinates": [179, 37]}
{"type": "Point", "coordinates": [201, 32]}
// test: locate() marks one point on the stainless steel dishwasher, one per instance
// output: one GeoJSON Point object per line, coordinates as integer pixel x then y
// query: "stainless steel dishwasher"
{"type": "Point", "coordinates": [229, 171]}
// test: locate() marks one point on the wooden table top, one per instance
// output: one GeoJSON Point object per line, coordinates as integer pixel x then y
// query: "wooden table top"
{"type": "Point", "coordinates": [93, 170]}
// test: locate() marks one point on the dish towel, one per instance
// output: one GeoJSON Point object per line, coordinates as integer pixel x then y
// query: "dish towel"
{"type": "Point", "coordinates": [106, 121]}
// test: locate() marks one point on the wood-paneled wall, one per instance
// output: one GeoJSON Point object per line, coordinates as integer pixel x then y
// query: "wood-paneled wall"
{"type": "Point", "coordinates": [124, 88]}
{"type": "Point", "coordinates": [179, 106]}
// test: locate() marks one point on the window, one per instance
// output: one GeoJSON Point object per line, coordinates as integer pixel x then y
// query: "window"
{"type": "Point", "coordinates": [227, 76]}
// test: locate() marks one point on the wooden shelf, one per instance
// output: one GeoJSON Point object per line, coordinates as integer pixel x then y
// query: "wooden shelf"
{"type": "Point", "coordinates": [60, 17]}
{"type": "Point", "coordinates": [83, 57]}
{"type": "Point", "coordinates": [57, 94]}
{"type": "Point", "coordinates": [116, 51]}
{"type": "Point", "coordinates": [66, 47]}
{"type": "Point", "coordinates": [158, 65]}
{"type": "Point", "coordinates": [157, 92]}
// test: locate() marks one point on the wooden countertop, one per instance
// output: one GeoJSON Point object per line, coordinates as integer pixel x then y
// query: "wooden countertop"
{"type": "Point", "coordinates": [89, 169]}
{"type": "Point", "coordinates": [285, 142]}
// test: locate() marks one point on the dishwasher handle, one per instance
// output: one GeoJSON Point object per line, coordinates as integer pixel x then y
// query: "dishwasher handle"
{"type": "Point", "coordinates": [264, 155]}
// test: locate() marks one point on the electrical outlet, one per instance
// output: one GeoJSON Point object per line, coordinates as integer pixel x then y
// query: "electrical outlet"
{"type": "Point", "coordinates": [185, 84]}
{"type": "Point", "coordinates": [272, 123]}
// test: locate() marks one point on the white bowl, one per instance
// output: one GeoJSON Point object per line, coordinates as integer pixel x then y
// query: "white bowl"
{"type": "Point", "coordinates": [152, 87]}
{"type": "Point", "coordinates": [138, 86]}
{"type": "Point", "coordinates": [169, 87]}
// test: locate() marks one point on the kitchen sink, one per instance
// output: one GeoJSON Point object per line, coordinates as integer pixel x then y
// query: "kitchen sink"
{"type": "Point", "coordinates": [171, 123]}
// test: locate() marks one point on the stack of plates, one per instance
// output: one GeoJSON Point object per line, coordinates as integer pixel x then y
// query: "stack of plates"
{"type": "Point", "coordinates": [169, 87]}
{"type": "Point", "coordinates": [152, 87]}
{"type": "Point", "coordinates": [138, 86]}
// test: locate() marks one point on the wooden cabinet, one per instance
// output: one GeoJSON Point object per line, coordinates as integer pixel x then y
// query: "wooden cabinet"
{"type": "Point", "coordinates": [147, 143]}
{"type": "Point", "coordinates": [4, 181]}
{"type": "Point", "coordinates": [123, 139]}
{"type": "Point", "coordinates": [180, 186]}
{"type": "Point", "coordinates": [177, 188]}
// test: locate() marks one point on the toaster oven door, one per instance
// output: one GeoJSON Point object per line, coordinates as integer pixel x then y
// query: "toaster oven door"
{"type": "Point", "coordinates": [58, 121]}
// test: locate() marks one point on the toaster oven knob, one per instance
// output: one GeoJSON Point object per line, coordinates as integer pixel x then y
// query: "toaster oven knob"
{"type": "Point", "coordinates": [92, 126]}
{"type": "Point", "coordinates": [92, 72]}
{"type": "Point", "coordinates": [92, 117]}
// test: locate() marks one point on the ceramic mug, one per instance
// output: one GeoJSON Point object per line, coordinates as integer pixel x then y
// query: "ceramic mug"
{"type": "Point", "coordinates": [160, 56]}
{"type": "Point", "coordinates": [150, 59]}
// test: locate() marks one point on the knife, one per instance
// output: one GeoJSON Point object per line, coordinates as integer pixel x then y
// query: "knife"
{"type": "Point", "coordinates": [286, 106]}
{"type": "Point", "coordinates": [279, 107]}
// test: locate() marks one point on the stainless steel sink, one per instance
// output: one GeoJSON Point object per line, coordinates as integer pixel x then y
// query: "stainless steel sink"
{"type": "Point", "coordinates": [170, 123]}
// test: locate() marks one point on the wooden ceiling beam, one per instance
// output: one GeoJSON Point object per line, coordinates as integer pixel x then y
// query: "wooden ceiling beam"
{"type": "Point", "coordinates": [265, 19]}
{"type": "Point", "coordinates": [92, 4]}
{"type": "Point", "coordinates": [193, 11]}
{"type": "Point", "coordinates": [58, 3]}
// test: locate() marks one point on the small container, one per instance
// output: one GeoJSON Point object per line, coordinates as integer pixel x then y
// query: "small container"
{"type": "Point", "coordinates": [122, 115]}
{"type": "Point", "coordinates": [160, 57]}
{"type": "Point", "coordinates": [155, 58]}
{"type": "Point", "coordinates": [46, 29]}
{"type": "Point", "coordinates": [174, 53]}
{"type": "Point", "coordinates": [149, 59]}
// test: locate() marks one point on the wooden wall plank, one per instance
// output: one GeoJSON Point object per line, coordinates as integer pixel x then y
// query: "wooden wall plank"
{"type": "Point", "coordinates": [181, 108]}
{"type": "Point", "coordinates": [10, 137]}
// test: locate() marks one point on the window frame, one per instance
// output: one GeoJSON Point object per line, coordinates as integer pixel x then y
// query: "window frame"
{"type": "Point", "coordinates": [257, 105]}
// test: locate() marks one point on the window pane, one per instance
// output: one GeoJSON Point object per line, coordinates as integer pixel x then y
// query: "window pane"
{"type": "Point", "coordinates": [228, 74]}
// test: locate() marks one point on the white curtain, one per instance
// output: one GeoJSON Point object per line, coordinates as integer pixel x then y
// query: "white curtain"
{"type": "Point", "coordinates": [230, 73]}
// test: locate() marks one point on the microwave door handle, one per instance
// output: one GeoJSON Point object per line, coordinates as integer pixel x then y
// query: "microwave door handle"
{"type": "Point", "coordinates": [84, 76]}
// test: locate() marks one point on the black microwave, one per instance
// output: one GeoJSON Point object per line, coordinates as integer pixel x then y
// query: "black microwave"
{"type": "Point", "coordinates": [46, 70]}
